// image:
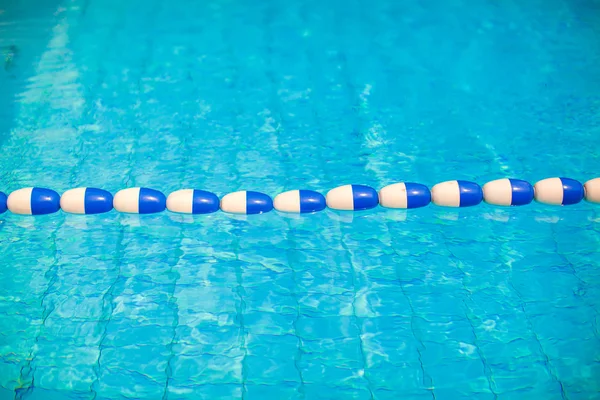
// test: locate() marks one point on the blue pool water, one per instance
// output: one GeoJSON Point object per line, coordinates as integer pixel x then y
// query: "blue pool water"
{"type": "Point", "coordinates": [273, 95]}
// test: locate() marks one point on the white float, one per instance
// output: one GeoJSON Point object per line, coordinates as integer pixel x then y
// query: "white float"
{"type": "Point", "coordinates": [592, 190]}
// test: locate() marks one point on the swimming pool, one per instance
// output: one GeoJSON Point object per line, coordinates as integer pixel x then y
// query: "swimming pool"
{"type": "Point", "coordinates": [225, 95]}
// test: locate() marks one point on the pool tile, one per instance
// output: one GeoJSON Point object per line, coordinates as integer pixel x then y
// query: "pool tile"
{"type": "Point", "coordinates": [183, 390]}
{"type": "Point", "coordinates": [327, 392]}
{"type": "Point", "coordinates": [271, 371]}
{"type": "Point", "coordinates": [208, 337]}
{"type": "Point", "coordinates": [525, 379]}
{"type": "Point", "coordinates": [383, 394]}
{"type": "Point", "coordinates": [274, 390]}
{"type": "Point", "coordinates": [119, 332]}
{"type": "Point", "coordinates": [270, 298]}
{"type": "Point", "coordinates": [405, 378]}
{"type": "Point", "coordinates": [9, 378]}
{"type": "Point", "coordinates": [467, 376]}
{"type": "Point", "coordinates": [269, 323]}
{"type": "Point", "coordinates": [66, 378]}
{"type": "Point", "coordinates": [116, 381]}
{"type": "Point", "coordinates": [347, 352]}
{"type": "Point", "coordinates": [206, 369]}
{"type": "Point", "coordinates": [327, 328]}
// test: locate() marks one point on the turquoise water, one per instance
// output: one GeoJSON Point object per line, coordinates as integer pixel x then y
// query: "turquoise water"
{"type": "Point", "coordinates": [224, 95]}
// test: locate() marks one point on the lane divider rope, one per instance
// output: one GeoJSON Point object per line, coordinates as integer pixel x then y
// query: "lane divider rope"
{"type": "Point", "coordinates": [402, 195]}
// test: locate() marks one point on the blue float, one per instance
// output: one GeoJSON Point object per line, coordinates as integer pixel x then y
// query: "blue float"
{"type": "Point", "coordinates": [352, 197]}
{"type": "Point", "coordinates": [299, 201]}
{"type": "Point", "coordinates": [508, 192]}
{"type": "Point", "coordinates": [192, 201]}
{"type": "Point", "coordinates": [3, 207]}
{"type": "Point", "coordinates": [139, 201]}
{"type": "Point", "coordinates": [33, 201]}
{"type": "Point", "coordinates": [246, 202]}
{"type": "Point", "coordinates": [573, 191]}
{"type": "Point", "coordinates": [456, 194]}
{"type": "Point", "coordinates": [404, 195]}
{"type": "Point", "coordinates": [86, 201]}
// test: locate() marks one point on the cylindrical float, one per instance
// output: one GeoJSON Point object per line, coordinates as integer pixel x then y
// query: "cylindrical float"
{"type": "Point", "coordinates": [559, 191]}
{"type": "Point", "coordinates": [139, 201]}
{"type": "Point", "coordinates": [456, 194]}
{"type": "Point", "coordinates": [508, 192]}
{"type": "Point", "coordinates": [33, 201]}
{"type": "Point", "coordinates": [404, 195]}
{"type": "Point", "coordinates": [86, 201]}
{"type": "Point", "coordinates": [192, 201]}
{"type": "Point", "coordinates": [352, 197]}
{"type": "Point", "coordinates": [299, 201]}
{"type": "Point", "coordinates": [246, 202]}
